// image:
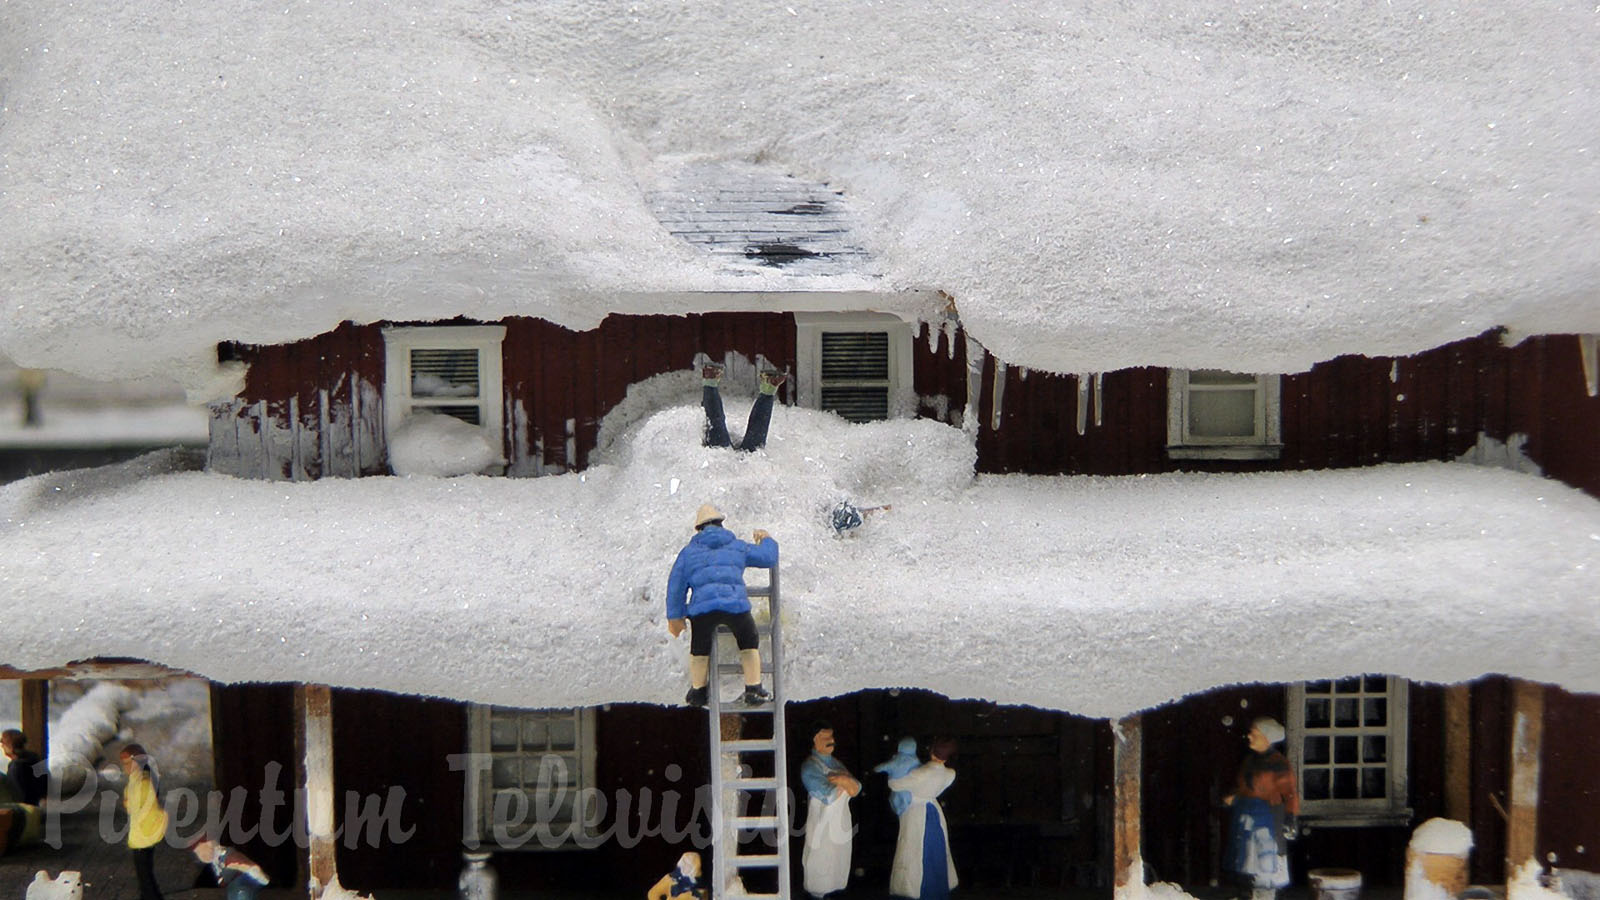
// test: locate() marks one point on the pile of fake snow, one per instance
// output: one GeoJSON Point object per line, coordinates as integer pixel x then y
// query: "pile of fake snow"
{"type": "Point", "coordinates": [1096, 595]}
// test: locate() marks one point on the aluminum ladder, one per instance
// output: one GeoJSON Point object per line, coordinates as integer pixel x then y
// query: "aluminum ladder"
{"type": "Point", "coordinates": [742, 843]}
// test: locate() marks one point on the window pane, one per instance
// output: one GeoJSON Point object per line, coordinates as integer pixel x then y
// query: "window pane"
{"type": "Point", "coordinates": [444, 372]}
{"type": "Point", "coordinates": [1319, 687]}
{"type": "Point", "coordinates": [857, 404]}
{"type": "Point", "coordinates": [1345, 712]}
{"type": "Point", "coordinates": [1317, 713]}
{"type": "Point", "coordinates": [1376, 711]}
{"type": "Point", "coordinates": [1221, 414]}
{"type": "Point", "coordinates": [1375, 749]}
{"type": "Point", "coordinates": [506, 772]}
{"type": "Point", "coordinates": [472, 415]}
{"type": "Point", "coordinates": [1374, 782]}
{"type": "Point", "coordinates": [1377, 684]}
{"type": "Point", "coordinates": [534, 736]}
{"type": "Point", "coordinates": [503, 732]}
{"type": "Point", "coordinates": [1347, 686]}
{"type": "Point", "coordinates": [563, 733]}
{"type": "Point", "coordinates": [1344, 749]}
{"type": "Point", "coordinates": [510, 806]}
{"type": "Point", "coordinates": [1218, 377]}
{"type": "Point", "coordinates": [1316, 750]}
{"type": "Point", "coordinates": [1344, 784]}
{"type": "Point", "coordinates": [1317, 785]}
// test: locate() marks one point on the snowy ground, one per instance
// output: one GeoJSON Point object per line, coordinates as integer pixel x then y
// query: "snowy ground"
{"type": "Point", "coordinates": [1095, 595]}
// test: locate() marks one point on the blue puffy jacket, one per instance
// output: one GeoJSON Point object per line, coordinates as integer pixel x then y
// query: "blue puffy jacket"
{"type": "Point", "coordinates": [712, 567]}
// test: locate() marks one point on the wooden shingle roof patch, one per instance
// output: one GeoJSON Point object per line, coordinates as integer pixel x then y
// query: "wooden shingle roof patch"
{"type": "Point", "coordinates": [750, 216]}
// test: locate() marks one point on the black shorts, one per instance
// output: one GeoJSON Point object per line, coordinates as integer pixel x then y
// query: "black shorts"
{"type": "Point", "coordinates": [703, 629]}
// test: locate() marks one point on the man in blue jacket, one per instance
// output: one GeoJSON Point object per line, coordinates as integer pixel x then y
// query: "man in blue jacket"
{"type": "Point", "coordinates": [706, 588]}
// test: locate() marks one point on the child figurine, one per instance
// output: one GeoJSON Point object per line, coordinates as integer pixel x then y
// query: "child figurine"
{"type": "Point", "coordinates": [242, 878]}
{"type": "Point", "coordinates": [898, 766]}
{"type": "Point", "coordinates": [682, 883]}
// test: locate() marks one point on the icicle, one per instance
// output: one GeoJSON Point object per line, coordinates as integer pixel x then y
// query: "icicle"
{"type": "Point", "coordinates": [1099, 397]}
{"type": "Point", "coordinates": [1083, 402]}
{"type": "Point", "coordinates": [969, 417]}
{"type": "Point", "coordinates": [1394, 372]}
{"type": "Point", "coordinates": [1022, 373]}
{"type": "Point", "coordinates": [933, 337]}
{"type": "Point", "coordinates": [1589, 345]}
{"type": "Point", "coordinates": [572, 443]}
{"type": "Point", "coordinates": [999, 394]}
{"type": "Point", "coordinates": [950, 329]}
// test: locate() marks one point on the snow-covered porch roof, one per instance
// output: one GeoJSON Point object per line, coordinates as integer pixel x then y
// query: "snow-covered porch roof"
{"type": "Point", "coordinates": [1099, 186]}
{"type": "Point", "coordinates": [1100, 596]}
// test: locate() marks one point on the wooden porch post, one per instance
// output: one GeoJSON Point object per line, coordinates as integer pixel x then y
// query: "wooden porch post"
{"type": "Point", "coordinates": [1458, 753]}
{"type": "Point", "coordinates": [314, 703]}
{"type": "Point", "coordinates": [35, 714]}
{"type": "Point", "coordinates": [1127, 738]}
{"type": "Point", "coordinates": [1527, 736]}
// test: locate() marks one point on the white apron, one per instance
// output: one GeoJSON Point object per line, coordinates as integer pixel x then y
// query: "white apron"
{"type": "Point", "coordinates": [925, 783]}
{"type": "Point", "coordinates": [826, 854]}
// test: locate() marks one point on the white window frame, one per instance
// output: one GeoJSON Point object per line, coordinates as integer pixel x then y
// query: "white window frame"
{"type": "Point", "coordinates": [478, 826]}
{"type": "Point", "coordinates": [398, 342]}
{"type": "Point", "coordinates": [1265, 443]}
{"type": "Point", "coordinates": [809, 329]}
{"type": "Point", "coordinates": [1389, 810]}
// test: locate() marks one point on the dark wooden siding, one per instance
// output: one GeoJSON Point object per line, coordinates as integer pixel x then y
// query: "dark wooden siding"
{"type": "Point", "coordinates": [252, 736]}
{"type": "Point", "coordinates": [1349, 411]}
{"type": "Point", "coordinates": [311, 409]}
{"type": "Point", "coordinates": [1569, 784]}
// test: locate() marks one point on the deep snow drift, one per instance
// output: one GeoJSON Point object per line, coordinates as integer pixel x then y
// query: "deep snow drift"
{"type": "Point", "coordinates": [1250, 186]}
{"type": "Point", "coordinates": [1095, 595]}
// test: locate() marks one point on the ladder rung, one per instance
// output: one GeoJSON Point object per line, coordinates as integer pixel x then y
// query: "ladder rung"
{"type": "Point", "coordinates": [762, 591]}
{"type": "Point", "coordinates": [761, 861]}
{"type": "Point", "coordinates": [751, 745]}
{"type": "Point", "coordinates": [736, 669]}
{"type": "Point", "coordinates": [752, 784]}
{"type": "Point", "coordinates": [732, 896]}
{"type": "Point", "coordinates": [755, 822]}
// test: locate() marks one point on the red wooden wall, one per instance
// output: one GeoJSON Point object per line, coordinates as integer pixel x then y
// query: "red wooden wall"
{"type": "Point", "coordinates": [304, 412]}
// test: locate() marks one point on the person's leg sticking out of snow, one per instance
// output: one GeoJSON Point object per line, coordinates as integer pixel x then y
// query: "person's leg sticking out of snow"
{"type": "Point", "coordinates": [755, 433]}
{"type": "Point", "coordinates": [711, 400]}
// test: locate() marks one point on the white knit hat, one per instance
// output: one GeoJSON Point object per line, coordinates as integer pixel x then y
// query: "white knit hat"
{"type": "Point", "coordinates": [1269, 728]}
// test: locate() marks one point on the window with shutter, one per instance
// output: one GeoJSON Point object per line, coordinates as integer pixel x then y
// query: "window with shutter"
{"type": "Point", "coordinates": [856, 365]}
{"type": "Point", "coordinates": [445, 370]}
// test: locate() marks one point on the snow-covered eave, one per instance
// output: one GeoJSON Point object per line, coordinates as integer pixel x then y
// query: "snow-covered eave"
{"type": "Point", "coordinates": [1091, 595]}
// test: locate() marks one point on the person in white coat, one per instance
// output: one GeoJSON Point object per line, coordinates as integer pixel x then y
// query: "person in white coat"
{"type": "Point", "coordinates": [825, 856]}
{"type": "Point", "coordinates": [923, 869]}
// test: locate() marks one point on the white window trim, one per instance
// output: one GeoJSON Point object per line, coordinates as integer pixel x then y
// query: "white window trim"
{"type": "Point", "coordinates": [478, 831]}
{"type": "Point", "coordinates": [398, 343]}
{"type": "Point", "coordinates": [809, 328]}
{"type": "Point", "coordinates": [1267, 443]}
{"type": "Point", "coordinates": [1390, 810]}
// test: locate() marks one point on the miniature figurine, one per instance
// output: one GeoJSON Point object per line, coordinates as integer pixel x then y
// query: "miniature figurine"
{"type": "Point", "coordinates": [67, 886]}
{"type": "Point", "coordinates": [682, 883]}
{"type": "Point", "coordinates": [707, 588]}
{"type": "Point", "coordinates": [755, 431]}
{"type": "Point", "coordinates": [1261, 814]}
{"type": "Point", "coordinates": [846, 516]}
{"type": "Point", "coordinates": [897, 765]}
{"type": "Point", "coordinates": [232, 869]}
{"type": "Point", "coordinates": [25, 771]}
{"type": "Point", "coordinates": [923, 868]}
{"type": "Point", "coordinates": [147, 821]}
{"type": "Point", "coordinates": [825, 855]}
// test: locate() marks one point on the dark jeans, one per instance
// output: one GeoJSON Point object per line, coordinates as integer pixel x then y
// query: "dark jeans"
{"type": "Point", "coordinates": [144, 865]}
{"type": "Point", "coordinates": [755, 433]}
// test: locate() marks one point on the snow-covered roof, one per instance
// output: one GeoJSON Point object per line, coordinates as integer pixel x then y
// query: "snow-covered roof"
{"type": "Point", "coordinates": [1249, 186]}
{"type": "Point", "coordinates": [1096, 595]}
